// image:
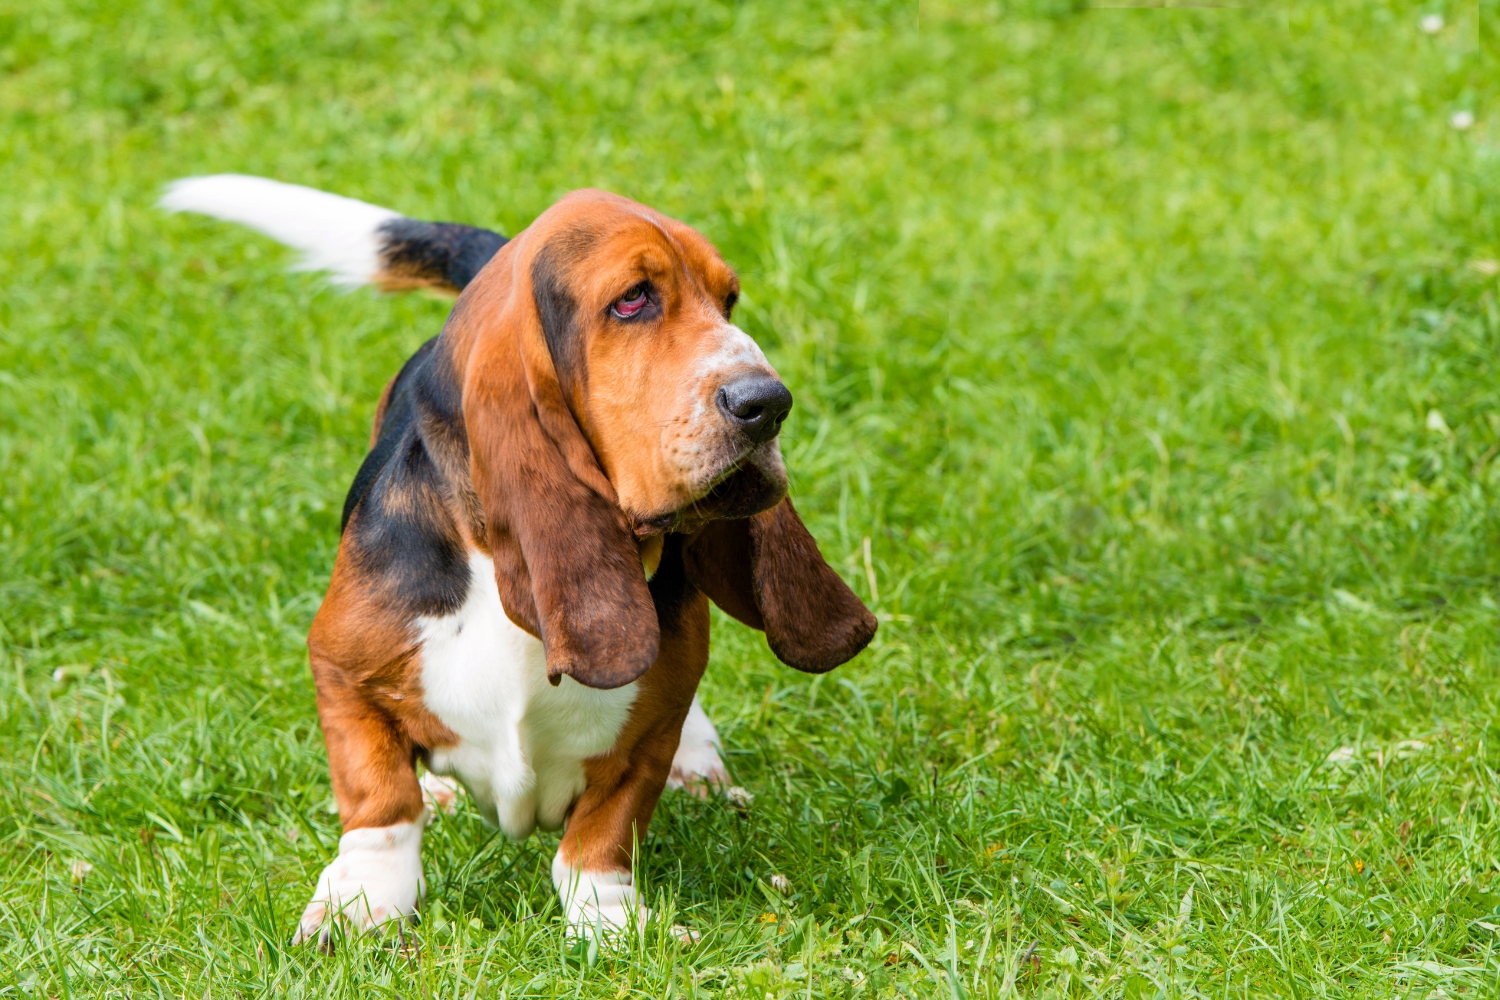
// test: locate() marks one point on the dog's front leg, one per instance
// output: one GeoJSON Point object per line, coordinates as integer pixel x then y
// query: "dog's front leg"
{"type": "Point", "coordinates": [378, 874]}
{"type": "Point", "coordinates": [594, 864]}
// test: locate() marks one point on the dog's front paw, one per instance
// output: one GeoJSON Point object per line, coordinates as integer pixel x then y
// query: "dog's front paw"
{"type": "Point", "coordinates": [376, 877]}
{"type": "Point", "coordinates": [598, 903]}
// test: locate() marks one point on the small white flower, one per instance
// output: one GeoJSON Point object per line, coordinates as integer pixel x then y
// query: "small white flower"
{"type": "Point", "coordinates": [781, 884]}
{"type": "Point", "coordinates": [1462, 120]}
{"type": "Point", "coordinates": [739, 797]}
{"type": "Point", "coordinates": [1343, 755]}
{"type": "Point", "coordinates": [1436, 423]}
{"type": "Point", "coordinates": [81, 869]}
{"type": "Point", "coordinates": [1432, 23]}
{"type": "Point", "coordinates": [1352, 601]}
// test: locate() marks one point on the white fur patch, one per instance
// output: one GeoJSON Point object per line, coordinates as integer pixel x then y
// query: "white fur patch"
{"type": "Point", "coordinates": [523, 741]}
{"type": "Point", "coordinates": [697, 766]}
{"type": "Point", "coordinates": [597, 901]}
{"type": "Point", "coordinates": [735, 349]}
{"type": "Point", "coordinates": [334, 233]}
{"type": "Point", "coordinates": [376, 877]}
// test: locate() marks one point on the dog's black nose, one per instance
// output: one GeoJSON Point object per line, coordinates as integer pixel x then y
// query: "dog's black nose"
{"type": "Point", "coordinates": [756, 405]}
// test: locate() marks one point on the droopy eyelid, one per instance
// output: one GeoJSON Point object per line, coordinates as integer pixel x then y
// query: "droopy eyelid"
{"type": "Point", "coordinates": [642, 287]}
{"type": "Point", "coordinates": [640, 297]}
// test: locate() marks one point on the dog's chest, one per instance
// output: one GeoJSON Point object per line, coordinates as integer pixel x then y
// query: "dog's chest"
{"type": "Point", "coordinates": [522, 741]}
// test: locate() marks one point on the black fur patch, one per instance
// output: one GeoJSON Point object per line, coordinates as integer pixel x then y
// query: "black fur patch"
{"type": "Point", "coordinates": [558, 310]}
{"type": "Point", "coordinates": [438, 253]}
{"type": "Point", "coordinates": [399, 415]}
{"type": "Point", "coordinates": [670, 587]}
{"type": "Point", "coordinates": [397, 514]}
{"type": "Point", "coordinates": [404, 536]}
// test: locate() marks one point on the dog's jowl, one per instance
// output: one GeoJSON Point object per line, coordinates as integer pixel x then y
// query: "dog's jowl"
{"type": "Point", "coordinates": [557, 485]}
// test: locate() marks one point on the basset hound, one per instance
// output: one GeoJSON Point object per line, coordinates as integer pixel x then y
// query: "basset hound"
{"type": "Point", "coordinates": [558, 483]}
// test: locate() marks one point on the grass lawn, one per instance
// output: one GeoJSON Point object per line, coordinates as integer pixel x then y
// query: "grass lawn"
{"type": "Point", "coordinates": [1147, 367]}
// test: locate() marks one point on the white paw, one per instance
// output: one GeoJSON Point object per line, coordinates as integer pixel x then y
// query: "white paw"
{"type": "Point", "coordinates": [603, 903]}
{"type": "Point", "coordinates": [440, 793]}
{"type": "Point", "coordinates": [376, 877]}
{"type": "Point", "coordinates": [697, 767]}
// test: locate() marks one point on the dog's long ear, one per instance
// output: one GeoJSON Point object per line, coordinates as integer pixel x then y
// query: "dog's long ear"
{"type": "Point", "coordinates": [766, 571]}
{"type": "Point", "coordinates": [566, 562]}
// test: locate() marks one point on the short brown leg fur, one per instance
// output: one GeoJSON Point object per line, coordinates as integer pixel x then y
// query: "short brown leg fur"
{"type": "Point", "coordinates": [625, 783]}
{"type": "Point", "coordinates": [373, 765]}
{"type": "Point", "coordinates": [615, 809]}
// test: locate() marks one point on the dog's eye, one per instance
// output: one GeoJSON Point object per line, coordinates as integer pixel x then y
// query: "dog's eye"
{"type": "Point", "coordinates": [632, 302]}
{"type": "Point", "coordinates": [729, 301]}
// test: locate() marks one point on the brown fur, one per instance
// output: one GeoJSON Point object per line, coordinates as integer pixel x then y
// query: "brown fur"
{"type": "Point", "coordinates": [766, 571]}
{"type": "Point", "coordinates": [625, 783]}
{"type": "Point", "coordinates": [568, 566]}
{"type": "Point", "coordinates": [369, 702]}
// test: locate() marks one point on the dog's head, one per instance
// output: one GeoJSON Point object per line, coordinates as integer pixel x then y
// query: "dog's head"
{"type": "Point", "coordinates": [609, 399]}
{"type": "Point", "coordinates": [680, 405]}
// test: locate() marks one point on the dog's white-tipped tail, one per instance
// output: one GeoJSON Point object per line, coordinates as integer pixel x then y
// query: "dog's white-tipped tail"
{"type": "Point", "coordinates": [335, 234]}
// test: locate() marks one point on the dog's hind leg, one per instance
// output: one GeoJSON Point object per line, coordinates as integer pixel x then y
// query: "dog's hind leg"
{"type": "Point", "coordinates": [441, 794]}
{"type": "Point", "coordinates": [697, 766]}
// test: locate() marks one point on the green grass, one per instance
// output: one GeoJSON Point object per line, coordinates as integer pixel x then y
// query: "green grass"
{"type": "Point", "coordinates": [1147, 365]}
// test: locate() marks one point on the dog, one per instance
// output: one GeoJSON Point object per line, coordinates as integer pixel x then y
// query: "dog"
{"type": "Point", "coordinates": [557, 486]}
